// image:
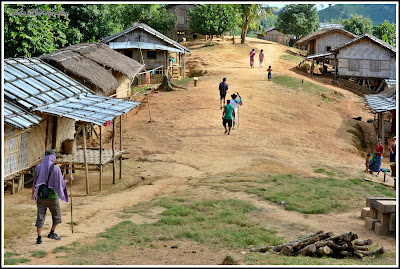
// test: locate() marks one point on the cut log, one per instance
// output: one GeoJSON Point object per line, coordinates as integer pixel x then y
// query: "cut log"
{"type": "Point", "coordinates": [338, 247]}
{"type": "Point", "coordinates": [358, 255]}
{"type": "Point", "coordinates": [381, 250]}
{"type": "Point", "coordinates": [343, 253]}
{"type": "Point", "coordinates": [323, 251]}
{"type": "Point", "coordinates": [361, 242]}
{"type": "Point", "coordinates": [347, 237]}
{"type": "Point", "coordinates": [306, 237]}
{"type": "Point", "coordinates": [287, 250]}
{"type": "Point", "coordinates": [308, 250]}
{"type": "Point", "coordinates": [363, 248]}
{"type": "Point", "coordinates": [263, 249]}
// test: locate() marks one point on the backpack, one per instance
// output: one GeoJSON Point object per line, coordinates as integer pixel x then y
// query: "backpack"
{"type": "Point", "coordinates": [222, 87]}
{"type": "Point", "coordinates": [44, 189]}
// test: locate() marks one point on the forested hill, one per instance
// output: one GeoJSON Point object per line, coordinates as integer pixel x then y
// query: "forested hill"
{"type": "Point", "coordinates": [376, 12]}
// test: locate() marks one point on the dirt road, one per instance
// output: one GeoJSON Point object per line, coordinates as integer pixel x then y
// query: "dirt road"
{"type": "Point", "coordinates": [280, 131]}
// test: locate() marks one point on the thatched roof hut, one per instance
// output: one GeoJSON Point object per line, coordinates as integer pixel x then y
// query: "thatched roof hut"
{"type": "Point", "coordinates": [95, 63]}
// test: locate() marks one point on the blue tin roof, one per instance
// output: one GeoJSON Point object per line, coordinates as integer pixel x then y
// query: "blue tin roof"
{"type": "Point", "coordinates": [33, 85]}
{"type": "Point", "coordinates": [142, 45]}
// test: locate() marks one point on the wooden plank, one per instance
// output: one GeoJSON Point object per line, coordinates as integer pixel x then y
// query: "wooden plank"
{"type": "Point", "coordinates": [371, 201]}
{"type": "Point", "coordinates": [386, 206]}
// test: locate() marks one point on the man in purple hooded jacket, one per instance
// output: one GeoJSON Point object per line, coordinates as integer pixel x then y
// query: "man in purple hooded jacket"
{"type": "Point", "coordinates": [57, 189]}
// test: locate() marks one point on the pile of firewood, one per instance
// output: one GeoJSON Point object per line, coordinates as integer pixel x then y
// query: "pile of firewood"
{"type": "Point", "coordinates": [325, 244]}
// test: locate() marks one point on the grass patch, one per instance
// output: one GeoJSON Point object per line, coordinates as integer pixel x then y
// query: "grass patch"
{"type": "Point", "coordinates": [318, 195]}
{"type": "Point", "coordinates": [39, 253]}
{"type": "Point", "coordinates": [297, 84]}
{"type": "Point", "coordinates": [218, 223]}
{"type": "Point", "coordinates": [291, 58]}
{"type": "Point", "coordinates": [15, 226]}
{"type": "Point", "coordinates": [60, 249]}
{"type": "Point", "coordinates": [182, 81]}
{"type": "Point", "coordinates": [209, 44]}
{"type": "Point", "coordinates": [14, 261]}
{"type": "Point", "coordinates": [10, 254]}
{"type": "Point", "coordinates": [324, 171]}
{"type": "Point", "coordinates": [388, 258]}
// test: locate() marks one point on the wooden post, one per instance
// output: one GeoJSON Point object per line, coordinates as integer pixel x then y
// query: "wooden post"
{"type": "Point", "coordinates": [70, 193]}
{"type": "Point", "coordinates": [85, 157]}
{"type": "Point", "coordinates": [148, 104]}
{"type": "Point", "coordinates": [120, 146]}
{"type": "Point", "coordinates": [21, 182]}
{"type": "Point", "coordinates": [101, 160]}
{"type": "Point", "coordinates": [336, 66]}
{"type": "Point", "coordinates": [113, 151]}
{"type": "Point", "coordinates": [382, 129]}
{"type": "Point", "coordinates": [12, 186]}
{"type": "Point", "coordinates": [184, 65]}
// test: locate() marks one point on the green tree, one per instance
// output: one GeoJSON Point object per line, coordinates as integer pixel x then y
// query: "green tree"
{"type": "Point", "coordinates": [90, 23]}
{"type": "Point", "coordinates": [212, 19]}
{"type": "Point", "coordinates": [357, 24]}
{"type": "Point", "coordinates": [149, 14]}
{"type": "Point", "coordinates": [386, 31]}
{"type": "Point", "coordinates": [250, 16]}
{"type": "Point", "coordinates": [299, 20]}
{"type": "Point", "coordinates": [30, 34]}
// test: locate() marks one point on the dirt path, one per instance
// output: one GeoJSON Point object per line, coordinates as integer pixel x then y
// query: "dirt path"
{"type": "Point", "coordinates": [280, 131]}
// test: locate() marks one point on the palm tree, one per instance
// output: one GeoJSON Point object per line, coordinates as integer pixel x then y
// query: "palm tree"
{"type": "Point", "coordinates": [250, 14]}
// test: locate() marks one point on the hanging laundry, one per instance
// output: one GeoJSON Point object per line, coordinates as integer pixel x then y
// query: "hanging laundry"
{"type": "Point", "coordinates": [147, 77]}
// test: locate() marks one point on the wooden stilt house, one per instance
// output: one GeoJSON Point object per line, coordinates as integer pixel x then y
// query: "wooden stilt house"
{"type": "Point", "coordinates": [41, 107]}
{"type": "Point", "coordinates": [151, 48]}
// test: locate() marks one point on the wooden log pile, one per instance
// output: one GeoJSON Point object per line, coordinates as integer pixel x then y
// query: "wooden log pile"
{"type": "Point", "coordinates": [325, 244]}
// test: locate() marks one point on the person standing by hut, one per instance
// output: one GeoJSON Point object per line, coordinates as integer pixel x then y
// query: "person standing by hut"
{"type": "Point", "coordinates": [261, 58]}
{"type": "Point", "coordinates": [376, 161]}
{"type": "Point", "coordinates": [252, 54]}
{"type": "Point", "coordinates": [50, 174]}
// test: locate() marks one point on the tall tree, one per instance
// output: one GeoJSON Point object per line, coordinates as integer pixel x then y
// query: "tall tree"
{"type": "Point", "coordinates": [357, 24]}
{"type": "Point", "coordinates": [212, 19]}
{"type": "Point", "coordinates": [299, 20]}
{"type": "Point", "coordinates": [251, 14]}
{"type": "Point", "coordinates": [386, 31]}
{"type": "Point", "coordinates": [33, 35]}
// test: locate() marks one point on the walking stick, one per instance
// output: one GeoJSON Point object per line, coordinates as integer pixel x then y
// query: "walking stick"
{"type": "Point", "coordinates": [148, 103]}
{"type": "Point", "coordinates": [238, 116]}
{"type": "Point", "coordinates": [70, 191]}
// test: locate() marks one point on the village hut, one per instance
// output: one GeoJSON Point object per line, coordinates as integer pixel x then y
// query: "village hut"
{"type": "Point", "coordinates": [367, 60]}
{"type": "Point", "coordinates": [324, 40]}
{"type": "Point", "coordinates": [181, 29]}
{"type": "Point", "coordinates": [41, 107]}
{"type": "Point", "coordinates": [160, 54]}
{"type": "Point", "coordinates": [98, 67]}
{"type": "Point", "coordinates": [272, 34]}
{"type": "Point", "coordinates": [383, 106]}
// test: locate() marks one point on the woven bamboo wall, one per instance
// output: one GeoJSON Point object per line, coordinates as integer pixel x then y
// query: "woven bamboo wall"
{"type": "Point", "coordinates": [15, 150]}
{"type": "Point", "coordinates": [36, 142]}
{"type": "Point", "coordinates": [65, 130]}
{"type": "Point", "coordinates": [364, 51]}
{"type": "Point", "coordinates": [123, 89]}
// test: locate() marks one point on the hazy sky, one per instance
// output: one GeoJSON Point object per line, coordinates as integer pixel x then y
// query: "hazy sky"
{"type": "Point", "coordinates": [282, 4]}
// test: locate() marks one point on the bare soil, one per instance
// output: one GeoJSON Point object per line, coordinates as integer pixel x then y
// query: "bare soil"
{"type": "Point", "coordinates": [280, 131]}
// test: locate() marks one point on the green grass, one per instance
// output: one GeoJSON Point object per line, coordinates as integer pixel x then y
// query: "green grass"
{"type": "Point", "coordinates": [39, 253]}
{"type": "Point", "coordinates": [297, 84]}
{"type": "Point", "coordinates": [317, 195]}
{"type": "Point", "coordinates": [209, 44]}
{"type": "Point", "coordinates": [387, 258]}
{"type": "Point", "coordinates": [60, 249]}
{"type": "Point", "coordinates": [10, 254]}
{"type": "Point", "coordinates": [324, 171]}
{"type": "Point", "coordinates": [291, 58]}
{"type": "Point", "coordinates": [182, 81]}
{"type": "Point", "coordinates": [14, 261]}
{"type": "Point", "coordinates": [217, 223]}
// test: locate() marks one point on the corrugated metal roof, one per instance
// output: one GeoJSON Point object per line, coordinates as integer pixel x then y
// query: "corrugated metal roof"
{"type": "Point", "coordinates": [384, 101]}
{"type": "Point", "coordinates": [320, 55]}
{"type": "Point", "coordinates": [148, 29]}
{"type": "Point", "coordinates": [18, 117]}
{"type": "Point", "coordinates": [142, 45]}
{"type": "Point", "coordinates": [36, 86]}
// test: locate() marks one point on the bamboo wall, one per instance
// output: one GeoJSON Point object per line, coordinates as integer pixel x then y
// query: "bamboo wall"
{"type": "Point", "coordinates": [22, 149]}
{"type": "Point", "coordinates": [364, 52]}
{"type": "Point", "coordinates": [123, 89]}
{"type": "Point", "coordinates": [333, 40]}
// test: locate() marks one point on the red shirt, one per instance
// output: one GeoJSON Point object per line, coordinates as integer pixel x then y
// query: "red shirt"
{"type": "Point", "coordinates": [378, 149]}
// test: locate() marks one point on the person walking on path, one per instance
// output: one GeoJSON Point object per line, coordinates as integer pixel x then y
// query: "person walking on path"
{"type": "Point", "coordinates": [261, 58]}
{"type": "Point", "coordinates": [393, 150]}
{"type": "Point", "coordinates": [252, 54]}
{"type": "Point", "coordinates": [269, 73]}
{"type": "Point", "coordinates": [49, 173]}
{"type": "Point", "coordinates": [227, 116]}
{"type": "Point", "coordinates": [234, 102]}
{"type": "Point", "coordinates": [223, 89]}
{"type": "Point", "coordinates": [376, 161]}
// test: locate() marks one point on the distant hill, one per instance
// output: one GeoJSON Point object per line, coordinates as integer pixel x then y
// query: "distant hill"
{"type": "Point", "coordinates": [376, 12]}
